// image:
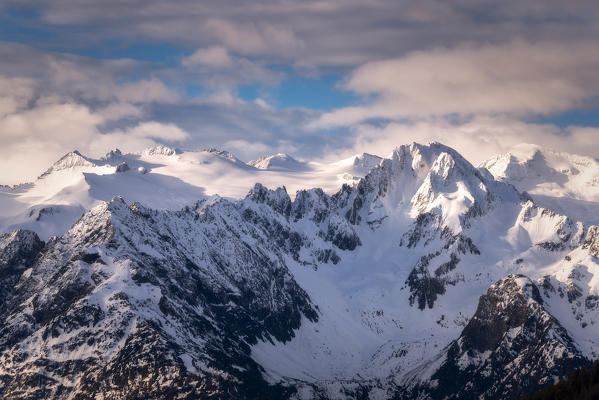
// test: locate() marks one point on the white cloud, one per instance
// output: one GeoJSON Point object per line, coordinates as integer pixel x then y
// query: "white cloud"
{"type": "Point", "coordinates": [477, 139]}
{"type": "Point", "coordinates": [145, 91]}
{"type": "Point", "coordinates": [220, 70]}
{"type": "Point", "coordinates": [246, 150]}
{"type": "Point", "coordinates": [251, 38]}
{"type": "Point", "coordinates": [215, 56]}
{"type": "Point", "coordinates": [250, 150]}
{"type": "Point", "coordinates": [262, 103]}
{"type": "Point", "coordinates": [97, 80]}
{"type": "Point", "coordinates": [15, 93]}
{"type": "Point", "coordinates": [117, 111]}
{"type": "Point", "coordinates": [157, 130]}
{"type": "Point", "coordinates": [517, 78]}
{"type": "Point", "coordinates": [354, 31]}
{"type": "Point", "coordinates": [55, 122]}
{"type": "Point", "coordinates": [33, 138]}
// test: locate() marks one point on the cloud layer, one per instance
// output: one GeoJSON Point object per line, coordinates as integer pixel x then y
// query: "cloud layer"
{"type": "Point", "coordinates": [477, 139]}
{"type": "Point", "coordinates": [335, 32]}
{"type": "Point", "coordinates": [517, 78]}
{"type": "Point", "coordinates": [131, 73]}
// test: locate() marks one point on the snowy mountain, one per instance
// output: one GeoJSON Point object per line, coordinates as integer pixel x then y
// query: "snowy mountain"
{"type": "Point", "coordinates": [564, 182]}
{"type": "Point", "coordinates": [159, 177]}
{"type": "Point", "coordinates": [278, 161]}
{"type": "Point", "coordinates": [423, 278]}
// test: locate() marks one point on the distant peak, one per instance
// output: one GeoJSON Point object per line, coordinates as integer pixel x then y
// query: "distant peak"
{"type": "Point", "coordinates": [159, 150]}
{"type": "Point", "coordinates": [219, 152]}
{"type": "Point", "coordinates": [223, 153]}
{"type": "Point", "coordinates": [366, 161]}
{"type": "Point", "coordinates": [112, 155]}
{"type": "Point", "coordinates": [278, 161]}
{"type": "Point", "coordinates": [527, 162]}
{"type": "Point", "coordinates": [365, 156]}
{"type": "Point", "coordinates": [70, 160]}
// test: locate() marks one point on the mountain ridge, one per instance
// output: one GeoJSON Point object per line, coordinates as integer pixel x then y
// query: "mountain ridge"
{"type": "Point", "coordinates": [322, 295]}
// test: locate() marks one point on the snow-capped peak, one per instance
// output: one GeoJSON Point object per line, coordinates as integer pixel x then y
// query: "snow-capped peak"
{"type": "Point", "coordinates": [453, 187]}
{"type": "Point", "coordinates": [70, 160]}
{"type": "Point", "coordinates": [223, 154]}
{"type": "Point", "coordinates": [113, 155]}
{"type": "Point", "coordinates": [159, 150]}
{"type": "Point", "coordinates": [518, 163]}
{"type": "Point", "coordinates": [366, 161]}
{"type": "Point", "coordinates": [527, 162]}
{"type": "Point", "coordinates": [566, 183]}
{"type": "Point", "coordinates": [360, 163]}
{"type": "Point", "coordinates": [278, 161]}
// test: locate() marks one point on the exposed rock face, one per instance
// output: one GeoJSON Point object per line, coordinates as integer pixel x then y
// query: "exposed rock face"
{"type": "Point", "coordinates": [224, 154]}
{"type": "Point", "coordinates": [591, 241]}
{"type": "Point", "coordinates": [511, 347]}
{"type": "Point", "coordinates": [122, 167]}
{"type": "Point", "coordinates": [160, 151]}
{"type": "Point", "coordinates": [17, 252]}
{"type": "Point", "coordinates": [178, 296]}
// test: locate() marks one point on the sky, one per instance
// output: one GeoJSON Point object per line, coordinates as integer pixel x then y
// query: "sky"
{"type": "Point", "coordinates": [316, 79]}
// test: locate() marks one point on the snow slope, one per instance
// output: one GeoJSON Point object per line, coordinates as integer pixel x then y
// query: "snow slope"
{"type": "Point", "coordinates": [447, 234]}
{"type": "Point", "coordinates": [158, 177]}
{"type": "Point", "coordinates": [566, 183]}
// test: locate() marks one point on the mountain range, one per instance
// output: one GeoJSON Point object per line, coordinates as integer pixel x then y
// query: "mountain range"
{"type": "Point", "coordinates": [175, 274]}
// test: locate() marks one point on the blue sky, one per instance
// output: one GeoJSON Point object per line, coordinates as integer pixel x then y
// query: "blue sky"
{"type": "Point", "coordinates": [317, 79]}
{"type": "Point", "coordinates": [320, 93]}
{"type": "Point", "coordinates": [26, 25]}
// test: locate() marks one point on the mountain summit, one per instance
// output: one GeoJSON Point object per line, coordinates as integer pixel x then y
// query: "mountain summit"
{"type": "Point", "coordinates": [564, 182]}
{"type": "Point", "coordinates": [278, 161]}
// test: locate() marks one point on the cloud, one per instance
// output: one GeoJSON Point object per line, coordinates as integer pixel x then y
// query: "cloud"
{"type": "Point", "coordinates": [220, 121]}
{"type": "Point", "coordinates": [252, 38]}
{"type": "Point", "coordinates": [40, 123]}
{"type": "Point", "coordinates": [220, 70]}
{"type": "Point", "coordinates": [156, 130]}
{"type": "Point", "coordinates": [15, 93]}
{"type": "Point", "coordinates": [477, 139]}
{"type": "Point", "coordinates": [406, 60]}
{"type": "Point", "coordinates": [34, 137]}
{"type": "Point", "coordinates": [112, 80]}
{"type": "Point", "coordinates": [518, 78]}
{"type": "Point", "coordinates": [118, 111]}
{"type": "Point", "coordinates": [53, 122]}
{"type": "Point", "coordinates": [56, 102]}
{"type": "Point", "coordinates": [42, 73]}
{"type": "Point", "coordinates": [355, 31]}
{"type": "Point", "coordinates": [136, 138]}
{"type": "Point", "coordinates": [247, 150]}
{"type": "Point", "coordinates": [145, 91]}
{"type": "Point", "coordinates": [213, 56]}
